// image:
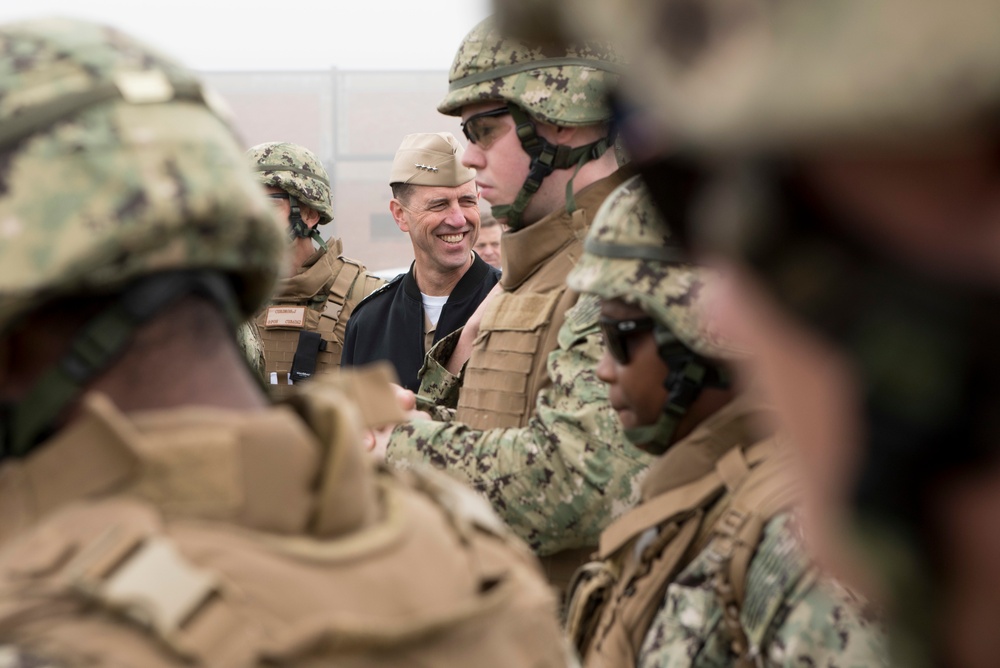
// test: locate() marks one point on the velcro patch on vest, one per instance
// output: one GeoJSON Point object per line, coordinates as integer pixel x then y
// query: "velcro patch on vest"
{"type": "Point", "coordinates": [285, 316]}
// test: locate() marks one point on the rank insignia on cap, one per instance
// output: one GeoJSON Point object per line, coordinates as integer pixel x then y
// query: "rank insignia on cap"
{"type": "Point", "coordinates": [430, 159]}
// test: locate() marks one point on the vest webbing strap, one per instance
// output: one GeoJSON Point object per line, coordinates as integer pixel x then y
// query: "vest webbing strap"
{"type": "Point", "coordinates": [336, 309]}
{"type": "Point", "coordinates": [761, 494]}
{"type": "Point", "coordinates": [764, 493]}
{"type": "Point", "coordinates": [346, 277]}
{"type": "Point", "coordinates": [665, 506]}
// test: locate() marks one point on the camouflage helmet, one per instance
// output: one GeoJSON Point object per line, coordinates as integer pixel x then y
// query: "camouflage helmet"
{"type": "Point", "coordinates": [747, 75]}
{"type": "Point", "coordinates": [296, 170]}
{"type": "Point", "coordinates": [565, 86]}
{"type": "Point", "coordinates": [629, 254]}
{"type": "Point", "coordinates": [114, 165]}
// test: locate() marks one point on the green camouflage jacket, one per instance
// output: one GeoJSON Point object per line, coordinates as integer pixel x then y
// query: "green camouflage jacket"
{"type": "Point", "coordinates": [558, 481]}
{"type": "Point", "coordinates": [814, 621]}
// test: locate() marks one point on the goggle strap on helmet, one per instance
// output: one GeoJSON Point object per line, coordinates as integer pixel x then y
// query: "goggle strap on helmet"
{"type": "Point", "coordinates": [100, 342]}
{"type": "Point", "coordinates": [529, 66]}
{"type": "Point", "coordinates": [546, 157]}
{"type": "Point", "coordinates": [294, 170]}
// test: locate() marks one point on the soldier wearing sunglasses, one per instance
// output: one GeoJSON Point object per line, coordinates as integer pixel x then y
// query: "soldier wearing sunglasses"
{"type": "Point", "coordinates": [708, 570]}
{"type": "Point", "coordinates": [531, 426]}
{"type": "Point", "coordinates": [839, 161]}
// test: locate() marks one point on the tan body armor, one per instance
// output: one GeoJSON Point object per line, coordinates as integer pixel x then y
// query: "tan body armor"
{"type": "Point", "coordinates": [507, 368]}
{"type": "Point", "coordinates": [710, 491]}
{"type": "Point", "coordinates": [320, 298]}
{"type": "Point", "coordinates": [204, 537]}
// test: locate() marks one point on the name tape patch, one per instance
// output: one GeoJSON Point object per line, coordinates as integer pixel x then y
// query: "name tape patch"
{"type": "Point", "coordinates": [285, 316]}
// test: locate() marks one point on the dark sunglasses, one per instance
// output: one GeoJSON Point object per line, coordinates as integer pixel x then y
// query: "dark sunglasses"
{"type": "Point", "coordinates": [617, 333]}
{"type": "Point", "coordinates": [485, 129]}
{"type": "Point", "coordinates": [278, 196]}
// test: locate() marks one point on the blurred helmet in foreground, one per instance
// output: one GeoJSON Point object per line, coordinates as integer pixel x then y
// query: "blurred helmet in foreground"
{"type": "Point", "coordinates": [116, 165]}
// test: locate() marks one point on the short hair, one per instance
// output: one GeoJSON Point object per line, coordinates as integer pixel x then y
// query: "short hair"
{"type": "Point", "coordinates": [487, 220]}
{"type": "Point", "coordinates": [402, 191]}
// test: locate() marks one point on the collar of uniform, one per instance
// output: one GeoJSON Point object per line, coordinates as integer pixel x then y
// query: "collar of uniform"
{"type": "Point", "coordinates": [524, 251]}
{"type": "Point", "coordinates": [315, 277]}
{"type": "Point", "coordinates": [334, 248]}
{"type": "Point", "coordinates": [735, 424]}
{"type": "Point", "coordinates": [466, 286]}
{"type": "Point", "coordinates": [314, 258]}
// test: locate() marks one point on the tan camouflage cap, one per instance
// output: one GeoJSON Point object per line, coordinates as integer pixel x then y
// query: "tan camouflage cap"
{"type": "Point", "coordinates": [743, 74]}
{"type": "Point", "coordinates": [296, 170]}
{"type": "Point", "coordinates": [564, 86]}
{"type": "Point", "coordinates": [629, 254]}
{"type": "Point", "coordinates": [430, 159]}
{"type": "Point", "coordinates": [113, 165]}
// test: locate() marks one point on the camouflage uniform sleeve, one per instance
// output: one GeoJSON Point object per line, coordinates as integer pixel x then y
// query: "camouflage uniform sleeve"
{"type": "Point", "coordinates": [797, 618]}
{"type": "Point", "coordinates": [248, 337]}
{"type": "Point", "coordinates": [827, 626]}
{"type": "Point", "coordinates": [557, 481]}
{"type": "Point", "coordinates": [439, 387]}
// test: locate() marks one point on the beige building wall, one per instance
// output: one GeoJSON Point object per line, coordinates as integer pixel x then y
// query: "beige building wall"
{"type": "Point", "coordinates": [353, 121]}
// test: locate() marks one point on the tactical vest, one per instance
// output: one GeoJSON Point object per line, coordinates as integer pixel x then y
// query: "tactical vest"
{"type": "Point", "coordinates": [201, 537]}
{"type": "Point", "coordinates": [723, 508]}
{"type": "Point", "coordinates": [303, 327]}
{"type": "Point", "coordinates": [507, 368]}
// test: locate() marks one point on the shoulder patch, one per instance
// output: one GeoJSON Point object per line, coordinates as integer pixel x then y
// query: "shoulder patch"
{"type": "Point", "coordinates": [383, 288]}
{"type": "Point", "coordinates": [583, 315]}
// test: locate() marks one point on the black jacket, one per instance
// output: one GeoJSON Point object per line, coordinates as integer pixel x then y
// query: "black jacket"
{"type": "Point", "coordinates": [389, 323]}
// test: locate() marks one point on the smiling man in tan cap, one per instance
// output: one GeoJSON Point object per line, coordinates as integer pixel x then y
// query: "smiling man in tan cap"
{"type": "Point", "coordinates": [435, 201]}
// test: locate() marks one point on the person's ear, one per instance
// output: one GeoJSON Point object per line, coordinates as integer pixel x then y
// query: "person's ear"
{"type": "Point", "coordinates": [399, 215]}
{"type": "Point", "coordinates": [310, 216]}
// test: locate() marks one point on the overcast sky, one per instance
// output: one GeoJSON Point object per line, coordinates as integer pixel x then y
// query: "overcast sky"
{"type": "Point", "coordinates": [296, 35]}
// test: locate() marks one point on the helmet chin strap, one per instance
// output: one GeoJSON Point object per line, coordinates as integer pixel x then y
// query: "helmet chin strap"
{"type": "Point", "coordinates": [297, 228]}
{"type": "Point", "coordinates": [27, 422]}
{"type": "Point", "coordinates": [546, 157]}
{"type": "Point", "coordinates": [689, 374]}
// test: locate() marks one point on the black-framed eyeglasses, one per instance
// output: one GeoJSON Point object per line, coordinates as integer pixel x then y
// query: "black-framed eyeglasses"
{"type": "Point", "coordinates": [278, 195]}
{"type": "Point", "coordinates": [485, 129]}
{"type": "Point", "coordinates": [618, 332]}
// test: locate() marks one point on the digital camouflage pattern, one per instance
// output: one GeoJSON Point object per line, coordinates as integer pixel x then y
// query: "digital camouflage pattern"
{"type": "Point", "coordinates": [489, 66]}
{"type": "Point", "coordinates": [248, 338]}
{"type": "Point", "coordinates": [557, 482]}
{"type": "Point", "coordinates": [627, 231]}
{"type": "Point", "coordinates": [763, 74]}
{"type": "Point", "coordinates": [296, 170]}
{"type": "Point", "coordinates": [113, 166]}
{"type": "Point", "coordinates": [808, 621]}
